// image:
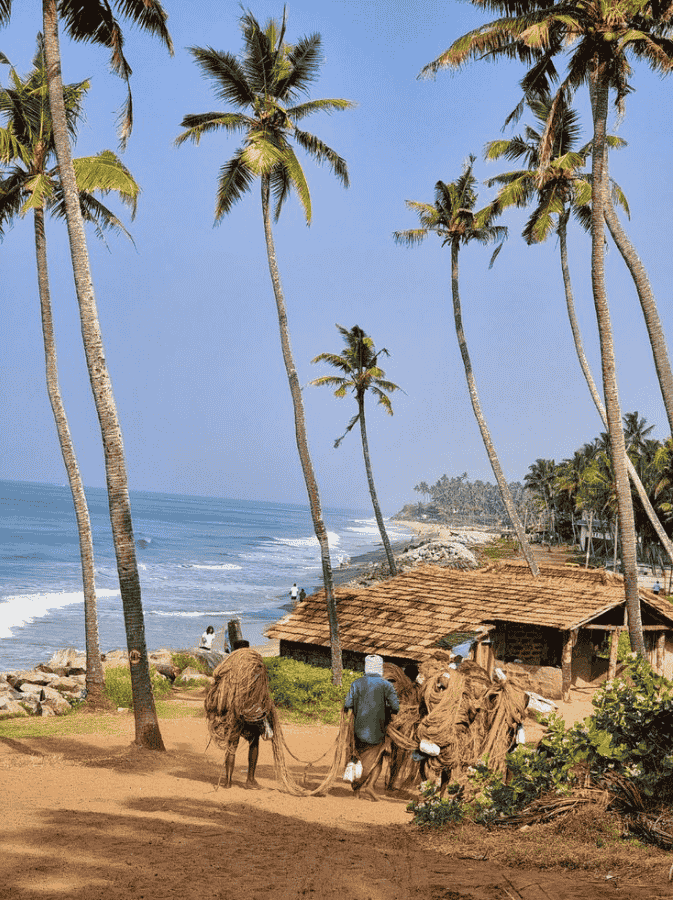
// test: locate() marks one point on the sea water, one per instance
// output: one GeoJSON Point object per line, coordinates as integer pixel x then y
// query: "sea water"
{"type": "Point", "coordinates": [202, 561]}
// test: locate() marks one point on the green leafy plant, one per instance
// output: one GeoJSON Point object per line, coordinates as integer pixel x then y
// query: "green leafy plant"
{"type": "Point", "coordinates": [182, 660]}
{"type": "Point", "coordinates": [431, 809]}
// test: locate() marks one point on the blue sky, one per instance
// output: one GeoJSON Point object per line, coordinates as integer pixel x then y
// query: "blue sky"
{"type": "Point", "coordinates": [188, 314]}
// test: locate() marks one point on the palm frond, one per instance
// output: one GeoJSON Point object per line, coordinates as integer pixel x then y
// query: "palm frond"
{"type": "Point", "coordinates": [234, 180]}
{"type": "Point", "coordinates": [105, 172]}
{"type": "Point", "coordinates": [229, 75]}
{"type": "Point", "coordinates": [328, 105]}
{"type": "Point", "coordinates": [322, 153]}
{"type": "Point", "coordinates": [198, 124]}
{"type": "Point", "coordinates": [305, 59]}
{"type": "Point", "coordinates": [296, 176]}
{"type": "Point", "coordinates": [411, 237]}
{"type": "Point", "coordinates": [38, 189]}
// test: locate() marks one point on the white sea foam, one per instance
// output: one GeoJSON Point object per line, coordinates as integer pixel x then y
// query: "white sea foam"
{"type": "Point", "coordinates": [191, 614]}
{"type": "Point", "coordinates": [311, 541]}
{"type": "Point", "coordinates": [224, 567]}
{"type": "Point", "coordinates": [23, 609]}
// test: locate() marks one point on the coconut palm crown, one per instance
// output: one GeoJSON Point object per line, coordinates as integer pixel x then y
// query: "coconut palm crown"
{"type": "Point", "coordinates": [97, 22]}
{"type": "Point", "coordinates": [454, 220]}
{"type": "Point", "coordinates": [267, 80]}
{"type": "Point", "coordinates": [359, 363]}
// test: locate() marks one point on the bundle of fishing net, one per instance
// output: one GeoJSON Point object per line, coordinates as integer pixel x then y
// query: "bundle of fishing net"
{"type": "Point", "coordinates": [459, 716]}
{"type": "Point", "coordinates": [239, 701]}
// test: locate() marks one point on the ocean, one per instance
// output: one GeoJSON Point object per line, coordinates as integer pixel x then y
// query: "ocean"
{"type": "Point", "coordinates": [202, 561]}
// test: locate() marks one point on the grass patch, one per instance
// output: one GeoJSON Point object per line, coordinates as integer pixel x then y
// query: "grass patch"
{"type": "Point", "coordinates": [503, 548]}
{"type": "Point", "coordinates": [183, 660]}
{"type": "Point", "coordinates": [118, 686]}
{"type": "Point", "coordinates": [306, 693]}
{"type": "Point", "coordinates": [79, 721]}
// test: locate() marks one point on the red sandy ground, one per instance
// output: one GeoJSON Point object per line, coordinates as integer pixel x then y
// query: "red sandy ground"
{"type": "Point", "coordinates": [90, 817]}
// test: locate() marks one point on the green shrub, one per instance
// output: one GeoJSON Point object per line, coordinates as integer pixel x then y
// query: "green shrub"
{"type": "Point", "coordinates": [629, 733]}
{"type": "Point", "coordinates": [184, 660]}
{"type": "Point", "coordinates": [306, 689]}
{"type": "Point", "coordinates": [431, 809]}
{"type": "Point", "coordinates": [118, 685]}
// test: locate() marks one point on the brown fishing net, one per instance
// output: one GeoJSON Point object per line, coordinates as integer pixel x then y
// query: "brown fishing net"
{"type": "Point", "coordinates": [239, 701]}
{"type": "Point", "coordinates": [470, 718]}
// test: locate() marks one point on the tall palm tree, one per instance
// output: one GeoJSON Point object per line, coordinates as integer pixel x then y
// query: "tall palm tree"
{"type": "Point", "coordinates": [453, 219]}
{"type": "Point", "coordinates": [94, 21]}
{"type": "Point", "coordinates": [31, 182]}
{"type": "Point", "coordinates": [598, 37]}
{"type": "Point", "coordinates": [359, 363]}
{"type": "Point", "coordinates": [267, 81]}
{"type": "Point", "coordinates": [560, 188]}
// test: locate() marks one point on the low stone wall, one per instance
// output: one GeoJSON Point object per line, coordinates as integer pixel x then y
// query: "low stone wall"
{"type": "Point", "coordinates": [52, 689]}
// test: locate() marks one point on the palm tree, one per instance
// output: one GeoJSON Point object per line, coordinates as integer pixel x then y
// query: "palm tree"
{"type": "Point", "coordinates": [94, 21]}
{"type": "Point", "coordinates": [361, 373]}
{"type": "Point", "coordinates": [453, 219]}
{"type": "Point", "coordinates": [31, 183]}
{"type": "Point", "coordinates": [560, 188]}
{"type": "Point", "coordinates": [599, 36]}
{"type": "Point", "coordinates": [267, 80]}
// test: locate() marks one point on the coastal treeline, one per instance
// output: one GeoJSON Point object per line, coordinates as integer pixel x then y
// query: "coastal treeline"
{"type": "Point", "coordinates": [580, 490]}
{"type": "Point", "coordinates": [459, 501]}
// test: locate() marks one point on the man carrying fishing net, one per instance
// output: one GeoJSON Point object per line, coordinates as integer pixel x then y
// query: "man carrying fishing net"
{"type": "Point", "coordinates": [239, 704]}
{"type": "Point", "coordinates": [373, 701]}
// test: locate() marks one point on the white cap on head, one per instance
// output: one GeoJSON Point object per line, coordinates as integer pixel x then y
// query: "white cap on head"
{"type": "Point", "coordinates": [373, 665]}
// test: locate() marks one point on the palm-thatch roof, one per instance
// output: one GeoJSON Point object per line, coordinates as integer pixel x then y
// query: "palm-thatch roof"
{"type": "Point", "coordinates": [405, 616]}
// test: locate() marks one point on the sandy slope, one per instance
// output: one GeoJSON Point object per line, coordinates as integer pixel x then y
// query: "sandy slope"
{"type": "Point", "coordinates": [92, 818]}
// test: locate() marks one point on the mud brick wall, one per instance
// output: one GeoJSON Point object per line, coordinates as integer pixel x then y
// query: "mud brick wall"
{"type": "Point", "coordinates": [529, 643]}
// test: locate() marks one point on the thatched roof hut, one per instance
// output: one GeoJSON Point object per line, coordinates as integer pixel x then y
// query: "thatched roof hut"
{"type": "Point", "coordinates": [557, 620]}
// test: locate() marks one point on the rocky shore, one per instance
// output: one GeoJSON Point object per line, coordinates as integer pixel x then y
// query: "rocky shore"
{"type": "Point", "coordinates": [434, 544]}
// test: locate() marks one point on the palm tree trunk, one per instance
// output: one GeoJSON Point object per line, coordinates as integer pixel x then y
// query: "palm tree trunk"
{"type": "Point", "coordinates": [147, 732]}
{"type": "Point", "coordinates": [302, 441]}
{"type": "Point", "coordinates": [372, 489]}
{"type": "Point", "coordinates": [95, 680]}
{"type": "Point", "coordinates": [655, 331]}
{"type": "Point", "coordinates": [666, 543]}
{"type": "Point", "coordinates": [599, 193]}
{"type": "Point", "coordinates": [485, 434]}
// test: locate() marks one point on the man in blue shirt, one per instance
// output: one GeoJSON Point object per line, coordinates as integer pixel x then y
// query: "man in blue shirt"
{"type": "Point", "coordinates": [373, 701]}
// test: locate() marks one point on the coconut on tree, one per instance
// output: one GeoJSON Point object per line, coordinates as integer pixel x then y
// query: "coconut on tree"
{"type": "Point", "coordinates": [453, 218]}
{"type": "Point", "coordinates": [29, 182]}
{"type": "Point", "coordinates": [267, 84]}
{"type": "Point", "coordinates": [359, 363]}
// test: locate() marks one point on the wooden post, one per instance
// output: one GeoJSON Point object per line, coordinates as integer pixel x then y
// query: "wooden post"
{"type": "Point", "coordinates": [614, 646]}
{"type": "Point", "coordinates": [661, 643]}
{"type": "Point", "coordinates": [567, 664]}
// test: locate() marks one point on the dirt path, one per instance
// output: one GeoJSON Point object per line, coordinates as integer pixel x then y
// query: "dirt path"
{"type": "Point", "coordinates": [89, 817]}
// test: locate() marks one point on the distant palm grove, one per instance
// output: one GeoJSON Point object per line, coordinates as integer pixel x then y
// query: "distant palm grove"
{"type": "Point", "coordinates": [559, 500]}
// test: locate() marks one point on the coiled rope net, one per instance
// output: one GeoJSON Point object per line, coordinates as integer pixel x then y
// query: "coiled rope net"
{"type": "Point", "coordinates": [238, 702]}
{"type": "Point", "coordinates": [469, 716]}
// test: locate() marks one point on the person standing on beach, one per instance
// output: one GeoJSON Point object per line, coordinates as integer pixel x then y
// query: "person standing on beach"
{"type": "Point", "coordinates": [294, 591]}
{"type": "Point", "coordinates": [302, 595]}
{"type": "Point", "coordinates": [373, 701]}
{"type": "Point", "coordinates": [207, 638]}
